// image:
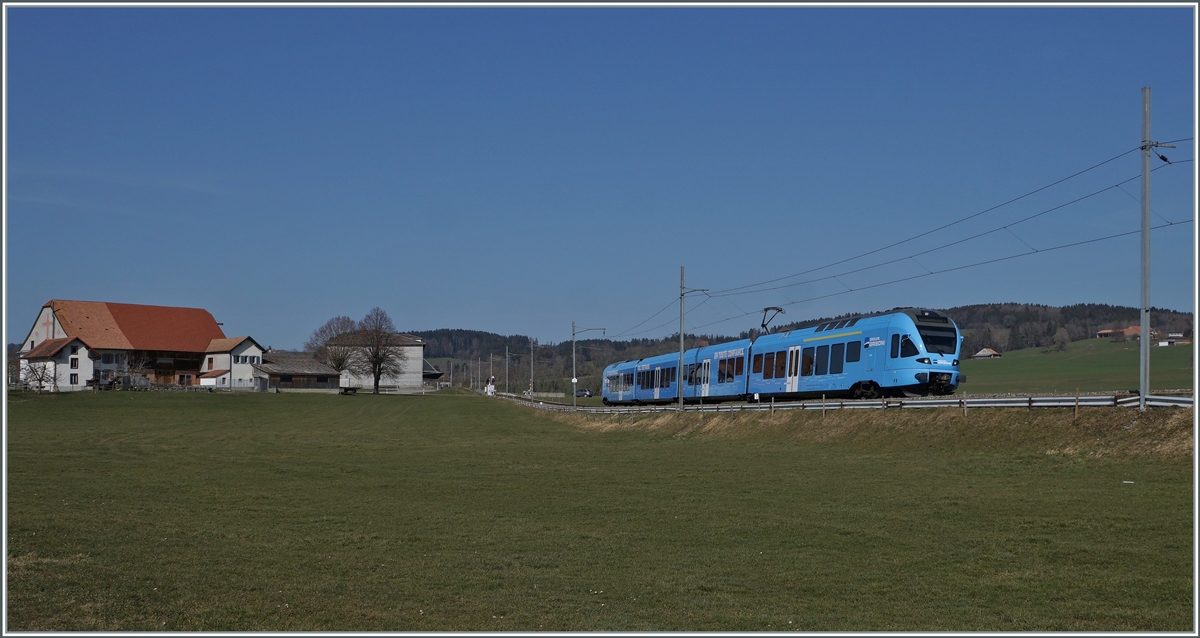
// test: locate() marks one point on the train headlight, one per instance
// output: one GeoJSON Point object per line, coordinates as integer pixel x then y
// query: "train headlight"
{"type": "Point", "coordinates": [924, 360]}
{"type": "Point", "coordinates": [955, 362]}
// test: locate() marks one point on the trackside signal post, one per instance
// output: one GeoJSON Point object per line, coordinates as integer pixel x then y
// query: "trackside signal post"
{"type": "Point", "coordinates": [1144, 339]}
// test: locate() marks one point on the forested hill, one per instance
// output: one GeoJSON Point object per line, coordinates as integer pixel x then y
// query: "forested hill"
{"type": "Point", "coordinates": [1003, 327]}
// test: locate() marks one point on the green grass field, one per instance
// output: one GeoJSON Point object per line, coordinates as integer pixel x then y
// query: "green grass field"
{"type": "Point", "coordinates": [162, 511]}
{"type": "Point", "coordinates": [1094, 365]}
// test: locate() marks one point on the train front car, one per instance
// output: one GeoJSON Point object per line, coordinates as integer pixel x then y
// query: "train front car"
{"type": "Point", "coordinates": [923, 354]}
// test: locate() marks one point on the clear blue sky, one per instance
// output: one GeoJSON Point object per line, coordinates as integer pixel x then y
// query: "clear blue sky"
{"type": "Point", "coordinates": [517, 169]}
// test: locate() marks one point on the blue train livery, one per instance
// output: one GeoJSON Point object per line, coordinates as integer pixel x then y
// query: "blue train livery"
{"type": "Point", "coordinates": [905, 352]}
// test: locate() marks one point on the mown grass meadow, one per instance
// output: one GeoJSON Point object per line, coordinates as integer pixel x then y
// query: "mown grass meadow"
{"type": "Point", "coordinates": [162, 511]}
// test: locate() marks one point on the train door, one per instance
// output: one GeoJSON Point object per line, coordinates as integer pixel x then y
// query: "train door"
{"type": "Point", "coordinates": [657, 381]}
{"type": "Point", "coordinates": [704, 376]}
{"type": "Point", "coordinates": [793, 369]}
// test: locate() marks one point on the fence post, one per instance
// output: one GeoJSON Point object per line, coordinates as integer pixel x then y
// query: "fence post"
{"type": "Point", "coordinates": [964, 405]}
{"type": "Point", "coordinates": [822, 405]}
{"type": "Point", "coordinates": [1076, 417]}
{"type": "Point", "coordinates": [772, 405]}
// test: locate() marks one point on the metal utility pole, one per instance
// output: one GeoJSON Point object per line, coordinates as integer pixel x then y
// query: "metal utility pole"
{"type": "Point", "coordinates": [575, 377]}
{"type": "Point", "coordinates": [682, 293]}
{"type": "Point", "coordinates": [505, 369]}
{"type": "Point", "coordinates": [681, 375]}
{"type": "Point", "coordinates": [531, 368]}
{"type": "Point", "coordinates": [1144, 339]}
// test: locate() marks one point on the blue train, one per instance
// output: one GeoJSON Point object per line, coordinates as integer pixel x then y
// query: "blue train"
{"type": "Point", "coordinates": [905, 352]}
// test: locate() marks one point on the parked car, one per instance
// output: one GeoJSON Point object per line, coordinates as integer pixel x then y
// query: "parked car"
{"type": "Point", "coordinates": [583, 392]}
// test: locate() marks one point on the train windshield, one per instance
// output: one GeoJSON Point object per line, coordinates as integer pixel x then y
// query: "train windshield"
{"type": "Point", "coordinates": [939, 339]}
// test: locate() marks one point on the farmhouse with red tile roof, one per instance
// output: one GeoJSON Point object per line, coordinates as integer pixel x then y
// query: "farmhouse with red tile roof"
{"type": "Point", "coordinates": [160, 344]}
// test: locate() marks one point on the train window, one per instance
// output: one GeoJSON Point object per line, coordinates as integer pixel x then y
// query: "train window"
{"type": "Point", "coordinates": [823, 359]}
{"type": "Point", "coordinates": [853, 351]}
{"type": "Point", "coordinates": [757, 364]}
{"type": "Point", "coordinates": [907, 347]}
{"type": "Point", "coordinates": [895, 346]}
{"type": "Point", "coordinates": [806, 369]}
{"type": "Point", "coordinates": [691, 374]}
{"type": "Point", "coordinates": [769, 365]}
{"type": "Point", "coordinates": [741, 366]}
{"type": "Point", "coordinates": [836, 352]}
{"type": "Point", "coordinates": [721, 371]}
{"type": "Point", "coordinates": [780, 364]}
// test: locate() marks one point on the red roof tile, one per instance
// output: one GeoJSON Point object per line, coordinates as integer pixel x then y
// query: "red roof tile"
{"type": "Point", "coordinates": [121, 326]}
{"type": "Point", "coordinates": [51, 347]}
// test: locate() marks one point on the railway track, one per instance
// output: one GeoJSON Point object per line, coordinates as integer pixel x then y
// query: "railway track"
{"type": "Point", "coordinates": [1028, 402]}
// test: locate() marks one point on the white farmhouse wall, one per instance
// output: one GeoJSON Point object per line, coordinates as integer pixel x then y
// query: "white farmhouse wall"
{"type": "Point", "coordinates": [241, 371]}
{"type": "Point", "coordinates": [46, 327]}
{"type": "Point", "coordinates": [66, 377]}
{"type": "Point", "coordinates": [410, 377]}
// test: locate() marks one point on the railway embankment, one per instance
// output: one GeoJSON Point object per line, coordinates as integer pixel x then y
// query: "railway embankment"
{"type": "Point", "coordinates": [1166, 433]}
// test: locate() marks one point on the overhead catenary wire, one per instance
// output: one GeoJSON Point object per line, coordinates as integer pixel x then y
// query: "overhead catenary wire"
{"type": "Point", "coordinates": [934, 230]}
{"type": "Point", "coordinates": [962, 267]}
{"type": "Point", "coordinates": [740, 290]}
{"type": "Point", "coordinates": [1006, 227]}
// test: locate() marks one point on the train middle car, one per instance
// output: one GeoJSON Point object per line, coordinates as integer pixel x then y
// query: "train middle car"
{"type": "Point", "coordinates": [905, 352]}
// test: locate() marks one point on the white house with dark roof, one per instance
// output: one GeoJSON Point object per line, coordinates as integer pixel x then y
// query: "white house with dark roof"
{"type": "Point", "coordinates": [409, 380]}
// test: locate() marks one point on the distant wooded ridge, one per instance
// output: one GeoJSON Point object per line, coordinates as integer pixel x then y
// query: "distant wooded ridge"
{"type": "Point", "coordinates": [1000, 326]}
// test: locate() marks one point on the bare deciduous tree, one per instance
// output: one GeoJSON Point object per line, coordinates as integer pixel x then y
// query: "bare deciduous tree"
{"type": "Point", "coordinates": [329, 345]}
{"type": "Point", "coordinates": [134, 362]}
{"type": "Point", "coordinates": [378, 351]}
{"type": "Point", "coordinates": [1061, 339]}
{"type": "Point", "coordinates": [40, 375]}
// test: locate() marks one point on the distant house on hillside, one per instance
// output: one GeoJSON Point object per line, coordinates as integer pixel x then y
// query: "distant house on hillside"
{"type": "Point", "coordinates": [986, 353]}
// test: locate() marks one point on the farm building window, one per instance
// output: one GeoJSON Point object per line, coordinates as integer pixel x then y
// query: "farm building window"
{"type": "Point", "coordinates": [322, 379]}
{"type": "Point", "coordinates": [74, 363]}
{"type": "Point", "coordinates": [836, 354]}
{"type": "Point", "coordinates": [107, 358]}
{"type": "Point", "coordinates": [285, 378]}
{"type": "Point", "coordinates": [75, 379]}
{"type": "Point", "coordinates": [853, 351]}
{"type": "Point", "coordinates": [210, 361]}
{"type": "Point", "coordinates": [74, 349]}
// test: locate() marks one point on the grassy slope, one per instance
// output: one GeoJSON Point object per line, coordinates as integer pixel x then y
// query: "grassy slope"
{"type": "Point", "coordinates": [139, 511]}
{"type": "Point", "coordinates": [1094, 365]}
